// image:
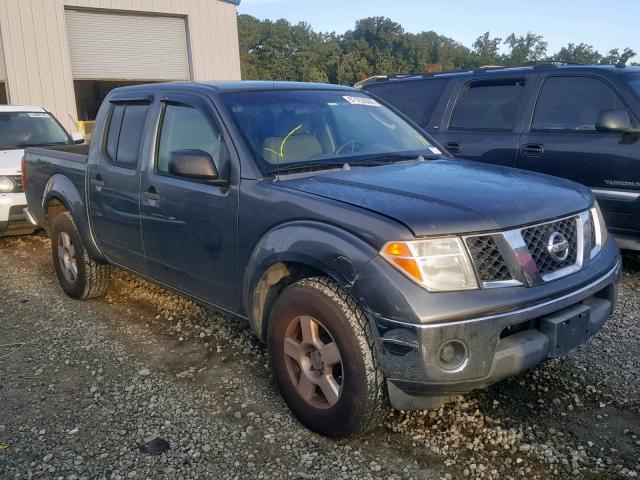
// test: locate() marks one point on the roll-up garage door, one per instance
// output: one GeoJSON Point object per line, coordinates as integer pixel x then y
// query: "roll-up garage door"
{"type": "Point", "coordinates": [119, 46]}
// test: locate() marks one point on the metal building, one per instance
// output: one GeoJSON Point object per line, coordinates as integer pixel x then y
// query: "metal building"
{"type": "Point", "coordinates": [66, 55]}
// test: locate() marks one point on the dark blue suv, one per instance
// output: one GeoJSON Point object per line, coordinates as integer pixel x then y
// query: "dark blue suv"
{"type": "Point", "coordinates": [577, 122]}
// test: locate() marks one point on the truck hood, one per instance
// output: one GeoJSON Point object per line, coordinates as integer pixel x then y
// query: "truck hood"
{"type": "Point", "coordinates": [445, 197]}
{"type": "Point", "coordinates": [10, 162]}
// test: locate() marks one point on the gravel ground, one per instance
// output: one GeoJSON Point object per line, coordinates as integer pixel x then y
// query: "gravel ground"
{"type": "Point", "coordinates": [84, 384]}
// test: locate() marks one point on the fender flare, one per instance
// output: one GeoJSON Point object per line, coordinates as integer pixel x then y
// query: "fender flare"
{"type": "Point", "coordinates": [323, 247]}
{"type": "Point", "coordinates": [60, 188]}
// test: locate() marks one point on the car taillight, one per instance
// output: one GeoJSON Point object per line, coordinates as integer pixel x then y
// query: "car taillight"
{"type": "Point", "coordinates": [23, 169]}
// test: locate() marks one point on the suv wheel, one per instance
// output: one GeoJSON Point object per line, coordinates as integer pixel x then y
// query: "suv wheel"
{"type": "Point", "coordinates": [80, 276]}
{"type": "Point", "coordinates": [324, 360]}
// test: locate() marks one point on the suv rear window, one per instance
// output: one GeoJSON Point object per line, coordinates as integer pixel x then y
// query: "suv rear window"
{"type": "Point", "coordinates": [488, 105]}
{"type": "Point", "coordinates": [574, 104]}
{"type": "Point", "coordinates": [124, 135]}
{"type": "Point", "coordinates": [417, 99]}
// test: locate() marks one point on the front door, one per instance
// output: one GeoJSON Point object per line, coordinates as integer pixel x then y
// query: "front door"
{"type": "Point", "coordinates": [563, 141]}
{"type": "Point", "coordinates": [114, 184]}
{"type": "Point", "coordinates": [190, 227]}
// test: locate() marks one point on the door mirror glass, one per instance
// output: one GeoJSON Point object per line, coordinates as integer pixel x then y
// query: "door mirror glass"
{"type": "Point", "coordinates": [615, 121]}
{"type": "Point", "coordinates": [193, 164]}
{"type": "Point", "coordinates": [77, 137]}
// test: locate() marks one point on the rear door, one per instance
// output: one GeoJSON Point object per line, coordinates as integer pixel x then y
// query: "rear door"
{"type": "Point", "coordinates": [190, 228]}
{"type": "Point", "coordinates": [562, 140]}
{"type": "Point", "coordinates": [114, 182]}
{"type": "Point", "coordinates": [484, 122]}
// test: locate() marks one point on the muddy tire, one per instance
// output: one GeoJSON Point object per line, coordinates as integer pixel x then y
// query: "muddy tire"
{"type": "Point", "coordinates": [324, 359]}
{"type": "Point", "coordinates": [79, 275]}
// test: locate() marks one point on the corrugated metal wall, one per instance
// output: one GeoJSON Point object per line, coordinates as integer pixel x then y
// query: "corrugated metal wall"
{"type": "Point", "coordinates": [38, 59]}
{"type": "Point", "coordinates": [122, 46]}
{"type": "Point", "coordinates": [2, 70]}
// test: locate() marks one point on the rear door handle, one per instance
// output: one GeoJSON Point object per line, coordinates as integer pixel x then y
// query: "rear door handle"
{"type": "Point", "coordinates": [453, 147]}
{"type": "Point", "coordinates": [97, 182]}
{"type": "Point", "coordinates": [152, 196]}
{"type": "Point", "coordinates": [532, 150]}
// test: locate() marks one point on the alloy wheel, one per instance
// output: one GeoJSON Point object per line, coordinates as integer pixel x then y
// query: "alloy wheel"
{"type": "Point", "coordinates": [67, 257]}
{"type": "Point", "coordinates": [313, 362]}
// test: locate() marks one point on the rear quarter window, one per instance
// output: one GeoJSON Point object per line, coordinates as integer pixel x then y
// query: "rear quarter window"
{"type": "Point", "coordinates": [417, 99]}
{"type": "Point", "coordinates": [124, 135]}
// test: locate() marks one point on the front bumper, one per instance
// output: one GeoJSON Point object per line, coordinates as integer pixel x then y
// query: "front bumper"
{"type": "Point", "coordinates": [486, 348]}
{"type": "Point", "coordinates": [13, 221]}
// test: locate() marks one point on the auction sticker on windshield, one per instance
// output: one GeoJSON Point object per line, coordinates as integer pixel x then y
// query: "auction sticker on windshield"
{"type": "Point", "coordinates": [369, 102]}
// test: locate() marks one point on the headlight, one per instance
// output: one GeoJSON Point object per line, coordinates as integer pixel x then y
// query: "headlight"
{"type": "Point", "coordinates": [7, 185]}
{"type": "Point", "coordinates": [600, 234]}
{"type": "Point", "coordinates": [439, 264]}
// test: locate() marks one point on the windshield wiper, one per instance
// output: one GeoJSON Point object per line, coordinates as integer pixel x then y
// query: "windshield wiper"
{"type": "Point", "coordinates": [52, 144]}
{"type": "Point", "coordinates": [309, 167]}
{"type": "Point", "coordinates": [391, 158]}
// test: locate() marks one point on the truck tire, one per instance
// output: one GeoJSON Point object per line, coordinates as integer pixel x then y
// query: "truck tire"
{"type": "Point", "coordinates": [80, 276]}
{"type": "Point", "coordinates": [324, 359]}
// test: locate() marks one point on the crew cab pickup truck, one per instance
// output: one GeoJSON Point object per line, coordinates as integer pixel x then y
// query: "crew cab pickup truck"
{"type": "Point", "coordinates": [377, 269]}
{"type": "Point", "coordinates": [21, 127]}
{"type": "Point", "coordinates": [580, 122]}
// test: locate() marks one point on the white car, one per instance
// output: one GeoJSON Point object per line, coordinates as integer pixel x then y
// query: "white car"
{"type": "Point", "coordinates": [22, 127]}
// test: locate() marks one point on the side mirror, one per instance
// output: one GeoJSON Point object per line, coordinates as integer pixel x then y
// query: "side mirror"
{"type": "Point", "coordinates": [615, 121]}
{"type": "Point", "coordinates": [193, 164]}
{"type": "Point", "coordinates": [78, 138]}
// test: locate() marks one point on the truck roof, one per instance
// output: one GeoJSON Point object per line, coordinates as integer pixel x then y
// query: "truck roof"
{"type": "Point", "coordinates": [21, 108]}
{"type": "Point", "coordinates": [233, 86]}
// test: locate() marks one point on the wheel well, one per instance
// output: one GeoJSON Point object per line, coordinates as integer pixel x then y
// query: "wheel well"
{"type": "Point", "coordinates": [273, 281]}
{"type": "Point", "coordinates": [54, 208]}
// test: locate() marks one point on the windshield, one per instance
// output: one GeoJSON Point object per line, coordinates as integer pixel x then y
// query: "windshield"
{"type": "Point", "coordinates": [312, 127]}
{"type": "Point", "coordinates": [29, 129]}
{"type": "Point", "coordinates": [634, 81]}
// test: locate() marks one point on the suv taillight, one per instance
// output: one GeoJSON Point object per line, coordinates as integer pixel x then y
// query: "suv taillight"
{"type": "Point", "coordinates": [23, 169]}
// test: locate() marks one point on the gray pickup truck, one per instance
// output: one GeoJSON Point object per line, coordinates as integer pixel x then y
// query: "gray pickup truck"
{"type": "Point", "coordinates": [377, 269]}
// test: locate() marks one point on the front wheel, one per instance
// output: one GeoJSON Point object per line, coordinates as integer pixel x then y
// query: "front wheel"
{"type": "Point", "coordinates": [324, 360]}
{"type": "Point", "coordinates": [79, 275]}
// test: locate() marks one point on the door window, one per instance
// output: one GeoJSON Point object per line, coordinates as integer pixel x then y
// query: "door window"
{"type": "Point", "coordinates": [186, 128]}
{"type": "Point", "coordinates": [574, 104]}
{"type": "Point", "coordinates": [488, 105]}
{"type": "Point", "coordinates": [124, 136]}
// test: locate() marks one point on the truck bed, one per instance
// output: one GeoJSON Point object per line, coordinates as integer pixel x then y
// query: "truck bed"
{"type": "Point", "coordinates": [44, 163]}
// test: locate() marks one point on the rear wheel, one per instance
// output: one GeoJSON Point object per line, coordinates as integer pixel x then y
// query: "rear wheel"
{"type": "Point", "coordinates": [324, 359]}
{"type": "Point", "coordinates": [80, 276]}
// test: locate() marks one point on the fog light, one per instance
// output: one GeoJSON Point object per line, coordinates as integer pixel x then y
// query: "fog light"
{"type": "Point", "coordinates": [452, 355]}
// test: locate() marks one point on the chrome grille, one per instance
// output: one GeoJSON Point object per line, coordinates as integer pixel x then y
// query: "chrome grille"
{"type": "Point", "coordinates": [488, 261]}
{"type": "Point", "coordinates": [537, 240]}
{"type": "Point", "coordinates": [522, 256]}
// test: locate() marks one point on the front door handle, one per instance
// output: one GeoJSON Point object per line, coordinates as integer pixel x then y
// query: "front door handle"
{"type": "Point", "coordinates": [532, 150]}
{"type": "Point", "coordinates": [453, 147]}
{"type": "Point", "coordinates": [152, 196]}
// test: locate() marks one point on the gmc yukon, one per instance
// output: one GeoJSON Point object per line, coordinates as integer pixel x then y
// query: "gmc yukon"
{"type": "Point", "coordinates": [378, 270]}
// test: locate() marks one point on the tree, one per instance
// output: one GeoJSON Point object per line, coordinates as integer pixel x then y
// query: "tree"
{"type": "Point", "coordinates": [581, 53]}
{"type": "Point", "coordinates": [279, 50]}
{"type": "Point", "coordinates": [616, 58]}
{"type": "Point", "coordinates": [487, 49]}
{"type": "Point", "coordinates": [523, 49]}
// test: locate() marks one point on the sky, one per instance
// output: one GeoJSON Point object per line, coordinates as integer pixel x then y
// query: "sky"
{"type": "Point", "coordinates": [605, 25]}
